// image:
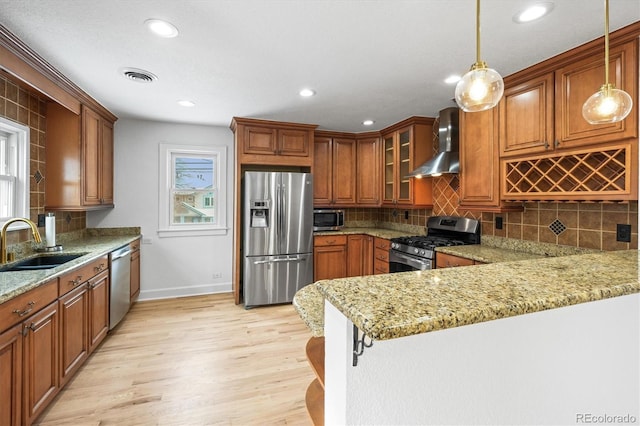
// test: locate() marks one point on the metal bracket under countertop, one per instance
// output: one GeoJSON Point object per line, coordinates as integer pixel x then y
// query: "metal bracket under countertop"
{"type": "Point", "coordinates": [359, 343]}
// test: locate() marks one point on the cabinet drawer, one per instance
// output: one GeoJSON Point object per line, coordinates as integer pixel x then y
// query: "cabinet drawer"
{"type": "Point", "coordinates": [444, 260]}
{"type": "Point", "coordinates": [330, 240]}
{"type": "Point", "coordinates": [15, 310]}
{"type": "Point", "coordinates": [73, 279]}
{"type": "Point", "coordinates": [381, 255]}
{"type": "Point", "coordinates": [382, 244]}
{"type": "Point", "coordinates": [380, 267]}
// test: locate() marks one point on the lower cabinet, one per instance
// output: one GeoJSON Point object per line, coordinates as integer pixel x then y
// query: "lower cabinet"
{"type": "Point", "coordinates": [74, 344]}
{"type": "Point", "coordinates": [41, 380]}
{"type": "Point", "coordinates": [11, 376]}
{"type": "Point", "coordinates": [329, 257]}
{"type": "Point", "coordinates": [135, 270]}
{"type": "Point", "coordinates": [359, 255]}
{"type": "Point", "coordinates": [381, 256]}
{"type": "Point", "coordinates": [444, 260]}
{"type": "Point", "coordinates": [98, 316]}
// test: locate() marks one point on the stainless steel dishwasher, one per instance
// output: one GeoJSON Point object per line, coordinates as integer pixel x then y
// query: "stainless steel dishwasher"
{"type": "Point", "coordinates": [120, 297]}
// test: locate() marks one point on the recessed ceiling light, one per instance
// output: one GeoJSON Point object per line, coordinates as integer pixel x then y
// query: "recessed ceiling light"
{"type": "Point", "coordinates": [452, 79]}
{"type": "Point", "coordinates": [138, 75]}
{"type": "Point", "coordinates": [533, 12]}
{"type": "Point", "coordinates": [161, 28]}
{"type": "Point", "coordinates": [307, 92]}
{"type": "Point", "coordinates": [186, 103]}
{"type": "Point", "coordinates": [368, 122]}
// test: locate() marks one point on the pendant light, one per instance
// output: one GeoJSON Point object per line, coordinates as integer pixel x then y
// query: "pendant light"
{"type": "Point", "coordinates": [608, 105]}
{"type": "Point", "coordinates": [482, 87]}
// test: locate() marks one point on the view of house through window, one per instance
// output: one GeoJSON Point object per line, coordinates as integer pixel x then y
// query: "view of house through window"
{"type": "Point", "coordinates": [194, 190]}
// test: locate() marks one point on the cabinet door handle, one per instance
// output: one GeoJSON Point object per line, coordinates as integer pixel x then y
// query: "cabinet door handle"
{"type": "Point", "coordinates": [546, 145]}
{"type": "Point", "coordinates": [557, 143]}
{"type": "Point", "coordinates": [28, 309]}
{"type": "Point", "coordinates": [77, 281]}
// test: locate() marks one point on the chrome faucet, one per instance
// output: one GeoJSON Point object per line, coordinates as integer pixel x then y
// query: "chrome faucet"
{"type": "Point", "coordinates": [3, 236]}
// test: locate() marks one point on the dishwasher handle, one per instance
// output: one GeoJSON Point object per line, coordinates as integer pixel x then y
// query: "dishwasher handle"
{"type": "Point", "coordinates": [118, 254]}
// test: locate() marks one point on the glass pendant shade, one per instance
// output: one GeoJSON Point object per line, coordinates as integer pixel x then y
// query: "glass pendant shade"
{"type": "Point", "coordinates": [479, 89]}
{"type": "Point", "coordinates": [608, 105]}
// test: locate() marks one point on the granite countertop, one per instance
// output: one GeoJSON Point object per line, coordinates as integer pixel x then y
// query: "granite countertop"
{"type": "Point", "coordinates": [374, 232]}
{"type": "Point", "coordinates": [403, 304]}
{"type": "Point", "coordinates": [94, 244]}
{"type": "Point", "coordinates": [487, 254]}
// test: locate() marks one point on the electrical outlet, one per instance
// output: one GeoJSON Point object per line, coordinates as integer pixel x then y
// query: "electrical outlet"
{"type": "Point", "coordinates": [41, 220]}
{"type": "Point", "coordinates": [406, 214]}
{"type": "Point", "coordinates": [623, 233]}
{"type": "Point", "coordinates": [217, 275]}
{"type": "Point", "coordinates": [498, 222]}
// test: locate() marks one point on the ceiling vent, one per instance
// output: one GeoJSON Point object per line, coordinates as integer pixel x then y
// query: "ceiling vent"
{"type": "Point", "coordinates": [138, 75]}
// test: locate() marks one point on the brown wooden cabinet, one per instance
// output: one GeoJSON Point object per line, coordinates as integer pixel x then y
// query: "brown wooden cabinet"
{"type": "Point", "coordinates": [79, 160]}
{"type": "Point", "coordinates": [11, 377]}
{"type": "Point", "coordinates": [84, 314]}
{"type": "Point", "coordinates": [267, 142]}
{"type": "Point", "coordinates": [334, 171]}
{"type": "Point", "coordinates": [544, 113]}
{"type": "Point", "coordinates": [135, 270]}
{"type": "Point", "coordinates": [405, 146]}
{"type": "Point", "coordinates": [41, 380]}
{"type": "Point", "coordinates": [381, 255]}
{"type": "Point", "coordinates": [98, 317]}
{"type": "Point", "coordinates": [479, 163]}
{"type": "Point", "coordinates": [359, 255]}
{"type": "Point", "coordinates": [74, 342]}
{"type": "Point", "coordinates": [28, 353]}
{"type": "Point", "coordinates": [368, 170]}
{"type": "Point", "coordinates": [526, 117]}
{"type": "Point", "coordinates": [329, 257]}
{"type": "Point", "coordinates": [445, 260]}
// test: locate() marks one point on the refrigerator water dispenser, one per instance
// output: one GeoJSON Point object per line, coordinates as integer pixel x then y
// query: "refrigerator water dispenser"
{"type": "Point", "coordinates": [259, 214]}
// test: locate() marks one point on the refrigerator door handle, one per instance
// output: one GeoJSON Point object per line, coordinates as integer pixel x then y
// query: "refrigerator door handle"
{"type": "Point", "coordinates": [287, 259]}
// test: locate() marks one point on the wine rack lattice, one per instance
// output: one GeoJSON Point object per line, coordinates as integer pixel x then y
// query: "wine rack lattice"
{"type": "Point", "coordinates": [589, 175]}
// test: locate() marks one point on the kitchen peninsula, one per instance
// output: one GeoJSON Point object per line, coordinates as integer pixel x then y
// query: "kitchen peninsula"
{"type": "Point", "coordinates": [527, 342]}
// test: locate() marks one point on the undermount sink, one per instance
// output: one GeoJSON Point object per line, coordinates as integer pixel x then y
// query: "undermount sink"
{"type": "Point", "coordinates": [43, 261]}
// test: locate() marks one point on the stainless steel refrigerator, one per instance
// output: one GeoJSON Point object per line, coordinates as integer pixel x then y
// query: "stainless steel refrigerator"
{"type": "Point", "coordinates": [277, 236]}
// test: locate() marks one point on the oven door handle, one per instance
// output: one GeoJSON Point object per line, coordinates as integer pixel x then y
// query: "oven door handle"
{"type": "Point", "coordinates": [398, 257]}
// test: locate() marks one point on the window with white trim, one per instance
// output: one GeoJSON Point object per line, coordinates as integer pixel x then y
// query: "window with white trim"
{"type": "Point", "coordinates": [14, 172]}
{"type": "Point", "coordinates": [192, 190]}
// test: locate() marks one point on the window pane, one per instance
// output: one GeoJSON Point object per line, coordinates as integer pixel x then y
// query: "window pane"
{"type": "Point", "coordinates": [6, 198]}
{"type": "Point", "coordinates": [194, 206]}
{"type": "Point", "coordinates": [194, 173]}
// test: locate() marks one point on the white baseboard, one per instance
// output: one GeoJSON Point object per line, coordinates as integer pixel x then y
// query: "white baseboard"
{"type": "Point", "coordinates": [194, 290]}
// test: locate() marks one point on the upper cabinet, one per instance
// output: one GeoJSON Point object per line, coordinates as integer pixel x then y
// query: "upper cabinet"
{"type": "Point", "coordinates": [368, 170]}
{"type": "Point", "coordinates": [264, 142]}
{"type": "Point", "coordinates": [548, 151]}
{"type": "Point", "coordinates": [334, 170]}
{"type": "Point", "coordinates": [544, 113]}
{"type": "Point", "coordinates": [405, 146]}
{"type": "Point", "coordinates": [346, 169]}
{"type": "Point", "coordinates": [79, 174]}
{"type": "Point", "coordinates": [479, 163]}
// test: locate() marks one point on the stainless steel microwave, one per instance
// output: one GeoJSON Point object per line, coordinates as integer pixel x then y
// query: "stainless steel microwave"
{"type": "Point", "coordinates": [328, 219]}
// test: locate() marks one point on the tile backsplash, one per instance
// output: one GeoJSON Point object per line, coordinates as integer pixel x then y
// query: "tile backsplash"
{"type": "Point", "coordinates": [584, 225]}
{"type": "Point", "coordinates": [24, 107]}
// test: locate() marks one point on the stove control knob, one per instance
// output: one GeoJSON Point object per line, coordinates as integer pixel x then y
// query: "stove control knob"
{"type": "Point", "coordinates": [394, 245]}
{"type": "Point", "coordinates": [422, 253]}
{"type": "Point", "coordinates": [415, 250]}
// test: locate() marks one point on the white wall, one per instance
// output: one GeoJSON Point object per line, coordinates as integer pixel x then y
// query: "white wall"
{"type": "Point", "coordinates": [177, 266]}
{"type": "Point", "coordinates": [552, 367]}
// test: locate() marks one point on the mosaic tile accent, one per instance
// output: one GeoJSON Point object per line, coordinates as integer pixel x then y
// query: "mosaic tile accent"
{"type": "Point", "coordinates": [67, 218]}
{"type": "Point", "coordinates": [557, 227]}
{"type": "Point", "coordinates": [38, 176]}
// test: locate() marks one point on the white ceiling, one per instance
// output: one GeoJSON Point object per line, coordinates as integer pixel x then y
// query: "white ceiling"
{"type": "Point", "coordinates": [378, 59]}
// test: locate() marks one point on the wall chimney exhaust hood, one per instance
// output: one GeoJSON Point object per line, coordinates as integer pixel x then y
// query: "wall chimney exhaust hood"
{"type": "Point", "coordinates": [447, 159]}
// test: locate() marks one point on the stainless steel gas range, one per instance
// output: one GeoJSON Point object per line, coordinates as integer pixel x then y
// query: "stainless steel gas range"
{"type": "Point", "coordinates": [417, 253]}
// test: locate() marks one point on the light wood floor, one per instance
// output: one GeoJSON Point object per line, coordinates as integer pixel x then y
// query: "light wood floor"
{"type": "Point", "coordinates": [193, 361]}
